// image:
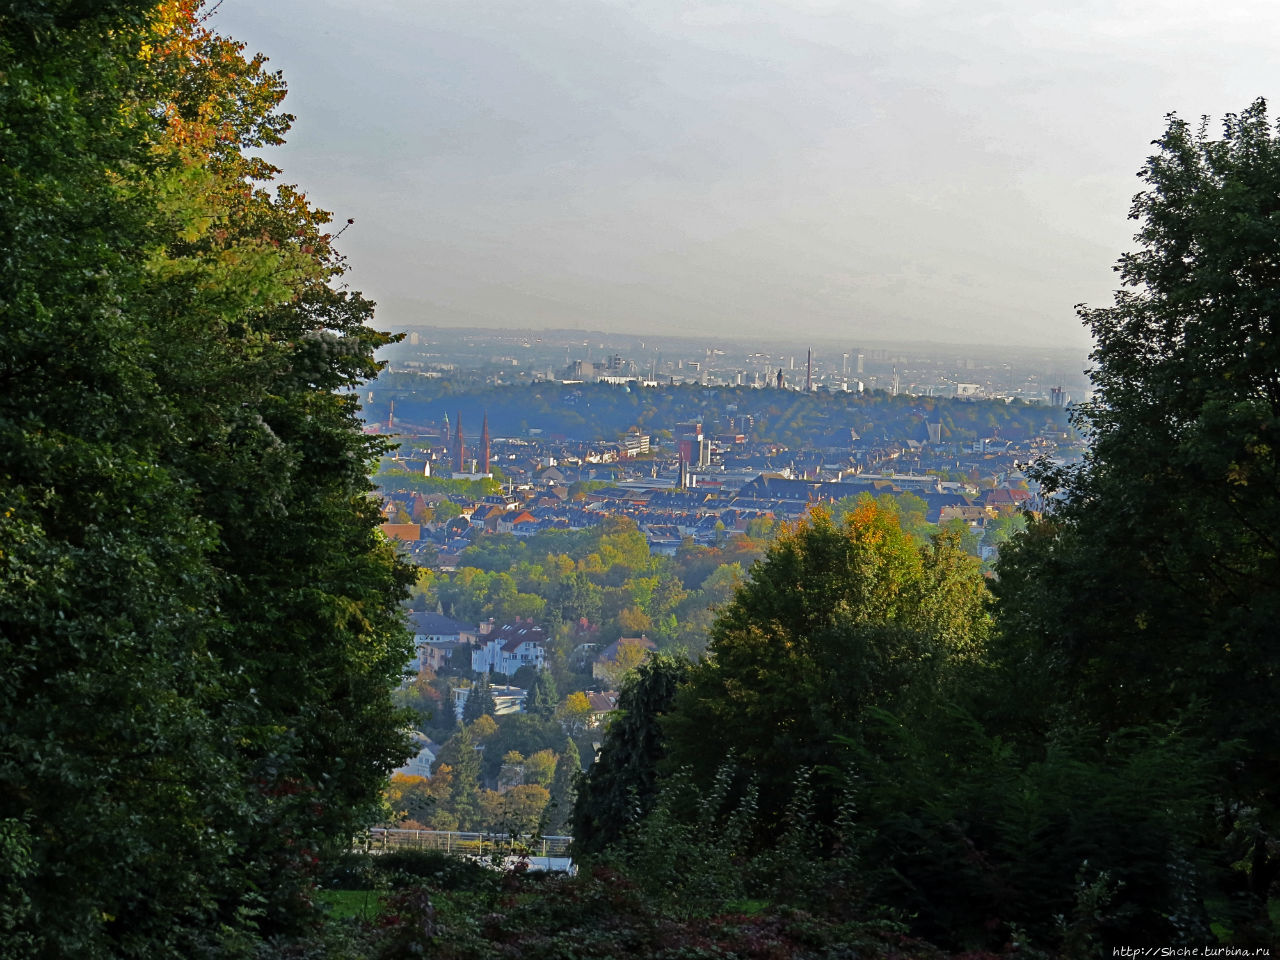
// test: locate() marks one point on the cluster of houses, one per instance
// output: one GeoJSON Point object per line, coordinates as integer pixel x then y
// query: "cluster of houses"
{"type": "Point", "coordinates": [500, 650]}
{"type": "Point", "coordinates": [494, 649]}
{"type": "Point", "coordinates": [698, 483]}
{"type": "Point", "coordinates": [667, 513]}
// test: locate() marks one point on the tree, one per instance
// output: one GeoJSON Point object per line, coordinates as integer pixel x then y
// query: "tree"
{"type": "Point", "coordinates": [464, 796]}
{"type": "Point", "coordinates": [410, 798]}
{"type": "Point", "coordinates": [836, 620]}
{"type": "Point", "coordinates": [517, 811]}
{"type": "Point", "coordinates": [524, 733]}
{"type": "Point", "coordinates": [542, 696]}
{"type": "Point", "coordinates": [1155, 583]}
{"type": "Point", "coordinates": [563, 789]}
{"type": "Point", "coordinates": [628, 654]}
{"type": "Point", "coordinates": [540, 767]}
{"type": "Point", "coordinates": [479, 701]}
{"type": "Point", "coordinates": [621, 785]}
{"type": "Point", "coordinates": [198, 617]}
{"type": "Point", "coordinates": [575, 713]}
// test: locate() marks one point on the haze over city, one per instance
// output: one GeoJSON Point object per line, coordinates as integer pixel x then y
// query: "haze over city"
{"type": "Point", "coordinates": [917, 170]}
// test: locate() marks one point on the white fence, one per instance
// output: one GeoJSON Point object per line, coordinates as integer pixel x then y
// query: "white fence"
{"type": "Point", "coordinates": [481, 845]}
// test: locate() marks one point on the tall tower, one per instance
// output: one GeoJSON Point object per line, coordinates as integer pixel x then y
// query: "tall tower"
{"type": "Point", "coordinates": [484, 445]}
{"type": "Point", "coordinates": [808, 377]}
{"type": "Point", "coordinates": [460, 444]}
{"type": "Point", "coordinates": [779, 378]}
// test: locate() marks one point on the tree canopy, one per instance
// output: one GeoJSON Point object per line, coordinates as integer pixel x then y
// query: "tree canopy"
{"type": "Point", "coordinates": [1168, 528]}
{"type": "Point", "coordinates": [198, 623]}
{"type": "Point", "coordinates": [835, 620]}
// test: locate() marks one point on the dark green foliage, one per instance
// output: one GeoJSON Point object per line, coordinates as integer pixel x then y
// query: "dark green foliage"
{"type": "Point", "coordinates": [619, 788]}
{"type": "Point", "coordinates": [441, 870]}
{"type": "Point", "coordinates": [563, 789]}
{"type": "Point", "coordinates": [526, 733]}
{"type": "Point", "coordinates": [971, 837]}
{"type": "Point", "coordinates": [464, 797]}
{"type": "Point", "coordinates": [543, 696]}
{"type": "Point", "coordinates": [479, 701]}
{"type": "Point", "coordinates": [837, 619]}
{"type": "Point", "coordinates": [1168, 528]}
{"type": "Point", "coordinates": [198, 621]}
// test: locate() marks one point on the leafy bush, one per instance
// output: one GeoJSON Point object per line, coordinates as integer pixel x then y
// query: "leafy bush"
{"type": "Point", "coordinates": [441, 870]}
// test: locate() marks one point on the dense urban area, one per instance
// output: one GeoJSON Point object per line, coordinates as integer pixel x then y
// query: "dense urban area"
{"type": "Point", "coordinates": [593, 517]}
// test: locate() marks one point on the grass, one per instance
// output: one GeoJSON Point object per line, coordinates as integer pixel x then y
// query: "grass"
{"type": "Point", "coordinates": [348, 904]}
{"type": "Point", "coordinates": [750, 908]}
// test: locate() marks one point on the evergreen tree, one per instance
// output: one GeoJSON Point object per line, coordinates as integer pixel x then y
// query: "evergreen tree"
{"type": "Point", "coordinates": [479, 701]}
{"type": "Point", "coordinates": [464, 795]}
{"type": "Point", "coordinates": [563, 788]}
{"type": "Point", "coordinates": [542, 697]}
{"type": "Point", "coordinates": [620, 786]}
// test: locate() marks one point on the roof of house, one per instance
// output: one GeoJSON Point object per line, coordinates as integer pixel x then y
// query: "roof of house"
{"type": "Point", "coordinates": [401, 531]}
{"type": "Point", "coordinates": [432, 624]}
{"type": "Point", "coordinates": [603, 702]}
{"type": "Point", "coordinates": [1007, 495]}
{"type": "Point", "coordinates": [511, 635]}
{"type": "Point", "coordinates": [610, 653]}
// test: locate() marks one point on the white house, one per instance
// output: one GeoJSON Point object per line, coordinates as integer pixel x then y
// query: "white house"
{"type": "Point", "coordinates": [420, 764]}
{"type": "Point", "coordinates": [507, 648]}
{"type": "Point", "coordinates": [436, 636]}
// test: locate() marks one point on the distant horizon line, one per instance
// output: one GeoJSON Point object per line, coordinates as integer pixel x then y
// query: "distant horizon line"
{"type": "Point", "coordinates": [539, 333]}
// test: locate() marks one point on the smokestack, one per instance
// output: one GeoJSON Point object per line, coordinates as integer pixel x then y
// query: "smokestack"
{"type": "Point", "coordinates": [808, 378]}
{"type": "Point", "coordinates": [484, 444]}
{"type": "Point", "coordinates": [461, 445]}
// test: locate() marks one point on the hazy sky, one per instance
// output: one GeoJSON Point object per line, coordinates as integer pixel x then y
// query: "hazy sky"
{"type": "Point", "coordinates": [854, 169]}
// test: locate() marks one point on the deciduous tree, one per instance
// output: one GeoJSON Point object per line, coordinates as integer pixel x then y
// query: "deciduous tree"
{"type": "Point", "coordinates": [836, 620]}
{"type": "Point", "coordinates": [1156, 582]}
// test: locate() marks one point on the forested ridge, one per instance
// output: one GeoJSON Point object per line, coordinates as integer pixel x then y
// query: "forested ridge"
{"type": "Point", "coordinates": [883, 752]}
{"type": "Point", "coordinates": [604, 411]}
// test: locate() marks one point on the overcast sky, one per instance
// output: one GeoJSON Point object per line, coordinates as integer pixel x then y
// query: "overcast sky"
{"type": "Point", "coordinates": [852, 169]}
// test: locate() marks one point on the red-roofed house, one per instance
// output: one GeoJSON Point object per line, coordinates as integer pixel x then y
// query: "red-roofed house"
{"type": "Point", "coordinates": [514, 524]}
{"type": "Point", "coordinates": [507, 648]}
{"type": "Point", "coordinates": [1007, 497]}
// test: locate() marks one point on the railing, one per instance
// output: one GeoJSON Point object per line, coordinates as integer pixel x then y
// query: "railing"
{"type": "Point", "coordinates": [479, 845]}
